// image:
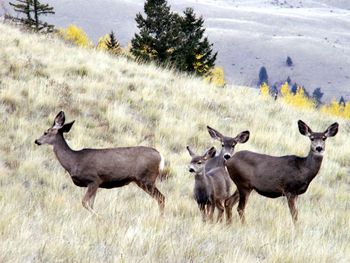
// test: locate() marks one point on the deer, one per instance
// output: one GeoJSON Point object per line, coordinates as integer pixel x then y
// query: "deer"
{"type": "Point", "coordinates": [105, 168]}
{"type": "Point", "coordinates": [218, 162]}
{"type": "Point", "coordinates": [211, 189]}
{"type": "Point", "coordinates": [273, 177]}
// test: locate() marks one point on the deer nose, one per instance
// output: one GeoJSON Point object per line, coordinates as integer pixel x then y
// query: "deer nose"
{"type": "Point", "coordinates": [37, 142]}
{"type": "Point", "coordinates": [227, 156]}
{"type": "Point", "coordinates": [191, 170]}
{"type": "Point", "coordinates": [319, 148]}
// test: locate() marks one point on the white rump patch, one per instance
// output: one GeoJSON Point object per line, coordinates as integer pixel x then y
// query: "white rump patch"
{"type": "Point", "coordinates": [161, 163]}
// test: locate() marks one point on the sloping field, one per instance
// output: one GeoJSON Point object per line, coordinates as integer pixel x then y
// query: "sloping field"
{"type": "Point", "coordinates": [248, 34]}
{"type": "Point", "coordinates": [116, 102]}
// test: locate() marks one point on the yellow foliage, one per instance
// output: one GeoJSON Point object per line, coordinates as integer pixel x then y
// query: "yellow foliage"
{"type": "Point", "coordinates": [265, 90]}
{"type": "Point", "coordinates": [198, 65]}
{"type": "Point", "coordinates": [75, 35]}
{"type": "Point", "coordinates": [216, 76]}
{"type": "Point", "coordinates": [298, 99]}
{"type": "Point", "coordinates": [101, 45]}
{"type": "Point", "coordinates": [334, 108]}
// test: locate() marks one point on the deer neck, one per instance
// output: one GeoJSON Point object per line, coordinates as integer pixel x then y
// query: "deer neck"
{"type": "Point", "coordinates": [65, 155]}
{"type": "Point", "coordinates": [313, 163]}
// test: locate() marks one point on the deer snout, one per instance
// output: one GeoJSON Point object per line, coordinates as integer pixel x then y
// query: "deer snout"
{"type": "Point", "coordinates": [319, 149]}
{"type": "Point", "coordinates": [37, 142]}
{"type": "Point", "coordinates": [227, 156]}
{"type": "Point", "coordinates": [191, 170]}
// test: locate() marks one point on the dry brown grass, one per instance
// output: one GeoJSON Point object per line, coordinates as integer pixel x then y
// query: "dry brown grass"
{"type": "Point", "coordinates": [116, 102]}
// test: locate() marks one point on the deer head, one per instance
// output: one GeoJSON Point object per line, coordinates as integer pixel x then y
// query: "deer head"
{"type": "Point", "coordinates": [318, 139]}
{"type": "Point", "coordinates": [58, 127]}
{"type": "Point", "coordinates": [228, 143]}
{"type": "Point", "coordinates": [198, 161]}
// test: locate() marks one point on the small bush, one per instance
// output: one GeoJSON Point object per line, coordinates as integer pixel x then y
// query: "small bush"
{"type": "Point", "coordinates": [75, 35]}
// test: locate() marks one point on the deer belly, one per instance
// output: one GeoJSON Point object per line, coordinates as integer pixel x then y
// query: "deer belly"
{"type": "Point", "coordinates": [267, 193]}
{"type": "Point", "coordinates": [115, 183]}
{"type": "Point", "coordinates": [81, 182]}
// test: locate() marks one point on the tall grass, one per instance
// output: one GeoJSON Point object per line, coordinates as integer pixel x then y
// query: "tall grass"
{"type": "Point", "coordinates": [116, 102]}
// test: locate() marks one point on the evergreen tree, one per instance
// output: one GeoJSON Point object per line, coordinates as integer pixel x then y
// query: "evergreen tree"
{"type": "Point", "coordinates": [158, 33]}
{"type": "Point", "coordinates": [289, 80]}
{"type": "Point", "coordinates": [317, 94]}
{"type": "Point", "coordinates": [263, 77]}
{"type": "Point", "coordinates": [112, 44]}
{"type": "Point", "coordinates": [289, 62]}
{"type": "Point", "coordinates": [294, 88]}
{"type": "Point", "coordinates": [195, 53]}
{"type": "Point", "coordinates": [33, 9]}
{"type": "Point", "coordinates": [342, 101]}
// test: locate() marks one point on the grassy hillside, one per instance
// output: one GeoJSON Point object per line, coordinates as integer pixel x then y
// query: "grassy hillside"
{"type": "Point", "coordinates": [119, 103]}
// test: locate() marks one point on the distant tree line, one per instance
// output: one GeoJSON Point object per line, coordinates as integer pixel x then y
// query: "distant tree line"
{"type": "Point", "coordinates": [316, 96]}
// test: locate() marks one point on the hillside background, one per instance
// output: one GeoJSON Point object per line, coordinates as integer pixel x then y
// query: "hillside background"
{"type": "Point", "coordinates": [247, 34]}
{"type": "Point", "coordinates": [116, 102]}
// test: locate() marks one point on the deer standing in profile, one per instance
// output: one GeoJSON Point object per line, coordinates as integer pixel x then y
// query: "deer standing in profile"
{"type": "Point", "coordinates": [105, 168]}
{"type": "Point", "coordinates": [212, 188]}
{"type": "Point", "coordinates": [273, 176]}
{"type": "Point", "coordinates": [217, 164]}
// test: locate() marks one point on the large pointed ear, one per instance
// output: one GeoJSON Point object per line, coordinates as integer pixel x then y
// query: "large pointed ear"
{"type": "Point", "coordinates": [66, 127]}
{"type": "Point", "coordinates": [215, 134]}
{"type": "Point", "coordinates": [59, 120]}
{"type": "Point", "coordinates": [303, 128]}
{"type": "Point", "coordinates": [210, 153]}
{"type": "Point", "coordinates": [190, 151]}
{"type": "Point", "coordinates": [242, 137]}
{"type": "Point", "coordinates": [332, 130]}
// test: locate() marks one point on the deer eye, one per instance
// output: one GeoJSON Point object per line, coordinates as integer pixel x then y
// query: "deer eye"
{"type": "Point", "coordinates": [324, 138]}
{"type": "Point", "coordinates": [222, 144]}
{"type": "Point", "coordinates": [312, 138]}
{"type": "Point", "coordinates": [45, 133]}
{"type": "Point", "coordinates": [199, 162]}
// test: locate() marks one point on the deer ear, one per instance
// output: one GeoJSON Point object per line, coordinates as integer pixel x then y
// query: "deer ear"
{"type": "Point", "coordinates": [303, 128]}
{"type": "Point", "coordinates": [66, 127]}
{"type": "Point", "coordinates": [332, 130]}
{"type": "Point", "coordinates": [242, 137]}
{"type": "Point", "coordinates": [215, 134]}
{"type": "Point", "coordinates": [190, 151]}
{"type": "Point", "coordinates": [210, 153]}
{"type": "Point", "coordinates": [59, 120]}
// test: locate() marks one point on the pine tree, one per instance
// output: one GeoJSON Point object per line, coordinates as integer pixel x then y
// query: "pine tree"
{"type": "Point", "coordinates": [263, 77]}
{"type": "Point", "coordinates": [112, 44]}
{"type": "Point", "coordinates": [342, 101]}
{"type": "Point", "coordinates": [289, 62]}
{"type": "Point", "coordinates": [317, 94]}
{"type": "Point", "coordinates": [158, 33]}
{"type": "Point", "coordinates": [33, 9]}
{"type": "Point", "coordinates": [195, 53]}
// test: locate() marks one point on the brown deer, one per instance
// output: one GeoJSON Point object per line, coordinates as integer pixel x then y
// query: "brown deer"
{"type": "Point", "coordinates": [105, 168]}
{"type": "Point", "coordinates": [218, 163]}
{"type": "Point", "coordinates": [211, 189]}
{"type": "Point", "coordinates": [273, 176]}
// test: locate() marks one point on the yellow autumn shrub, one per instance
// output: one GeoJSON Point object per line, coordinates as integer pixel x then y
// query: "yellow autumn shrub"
{"type": "Point", "coordinates": [75, 35]}
{"type": "Point", "coordinates": [335, 109]}
{"type": "Point", "coordinates": [264, 90]}
{"type": "Point", "coordinates": [216, 76]}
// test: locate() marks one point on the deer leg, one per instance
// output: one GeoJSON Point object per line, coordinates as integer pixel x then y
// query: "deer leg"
{"type": "Point", "coordinates": [155, 193]}
{"type": "Point", "coordinates": [211, 211]}
{"type": "Point", "coordinates": [89, 198]}
{"type": "Point", "coordinates": [229, 203]}
{"type": "Point", "coordinates": [202, 209]}
{"type": "Point", "coordinates": [243, 198]}
{"type": "Point", "coordinates": [221, 208]}
{"type": "Point", "coordinates": [292, 207]}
